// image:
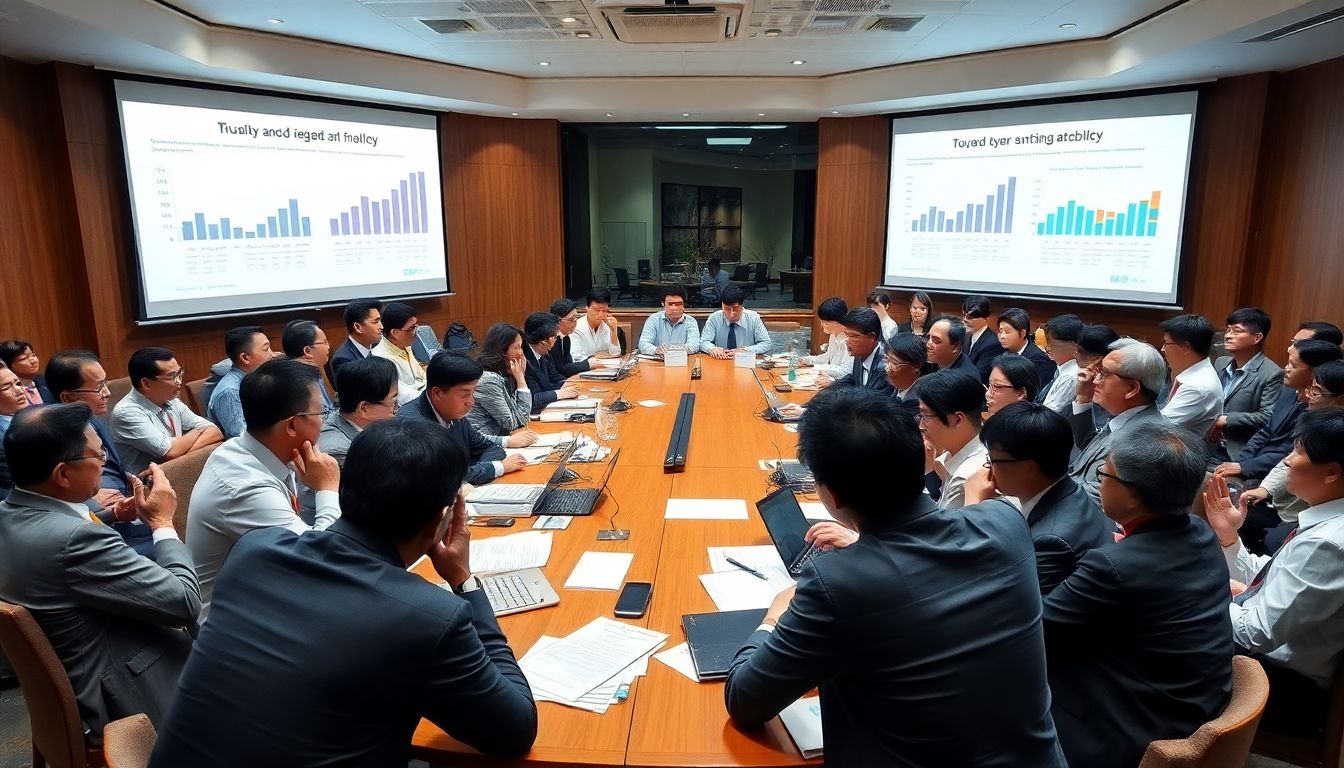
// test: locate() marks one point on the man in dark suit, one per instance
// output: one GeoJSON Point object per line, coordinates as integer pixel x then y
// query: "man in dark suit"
{"type": "Point", "coordinates": [364, 322]}
{"type": "Point", "coordinates": [1251, 381]}
{"type": "Point", "coordinates": [982, 342]}
{"type": "Point", "coordinates": [905, 358]}
{"type": "Point", "coordinates": [115, 619]}
{"type": "Point", "coordinates": [881, 626]}
{"type": "Point", "coordinates": [1029, 448]}
{"type": "Point", "coordinates": [1015, 336]}
{"type": "Point", "coordinates": [863, 339]}
{"type": "Point", "coordinates": [322, 649]}
{"type": "Point", "coordinates": [541, 332]}
{"type": "Point", "coordinates": [945, 345]}
{"type": "Point", "coordinates": [1138, 637]}
{"type": "Point", "coordinates": [568, 312]}
{"type": "Point", "coordinates": [450, 388]}
{"type": "Point", "coordinates": [12, 400]}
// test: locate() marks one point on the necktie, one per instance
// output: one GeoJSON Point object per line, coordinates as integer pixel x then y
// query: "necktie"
{"type": "Point", "coordinates": [1040, 398]}
{"type": "Point", "coordinates": [167, 417]}
{"type": "Point", "coordinates": [732, 335]}
{"type": "Point", "coordinates": [858, 372]}
{"type": "Point", "coordinates": [1175, 385]}
{"type": "Point", "coordinates": [1259, 579]}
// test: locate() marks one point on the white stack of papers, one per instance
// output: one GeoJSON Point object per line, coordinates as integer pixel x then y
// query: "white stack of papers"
{"type": "Point", "coordinates": [763, 558]}
{"type": "Point", "coordinates": [802, 719]}
{"type": "Point", "coordinates": [739, 591]}
{"type": "Point", "coordinates": [530, 549]}
{"type": "Point", "coordinates": [577, 404]}
{"type": "Point", "coordinates": [533, 454]}
{"type": "Point", "coordinates": [706, 509]}
{"type": "Point", "coordinates": [678, 657]}
{"type": "Point", "coordinates": [600, 570]}
{"type": "Point", "coordinates": [505, 499]}
{"type": "Point", "coordinates": [587, 669]}
{"type": "Point", "coordinates": [553, 439]}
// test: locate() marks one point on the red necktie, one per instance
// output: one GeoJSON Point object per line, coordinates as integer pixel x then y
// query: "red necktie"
{"type": "Point", "coordinates": [1175, 386]}
{"type": "Point", "coordinates": [1259, 577]}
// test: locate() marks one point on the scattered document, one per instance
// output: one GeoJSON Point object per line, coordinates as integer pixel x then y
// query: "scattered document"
{"type": "Point", "coordinates": [815, 510]}
{"type": "Point", "coordinates": [533, 454]}
{"type": "Point", "coordinates": [763, 558]}
{"type": "Point", "coordinates": [737, 590]}
{"type": "Point", "coordinates": [744, 358]}
{"type": "Point", "coordinates": [601, 697]}
{"type": "Point", "coordinates": [706, 509]}
{"type": "Point", "coordinates": [607, 362]}
{"type": "Point", "coordinates": [505, 499]}
{"type": "Point", "coordinates": [552, 522]}
{"type": "Point", "coordinates": [529, 549]}
{"type": "Point", "coordinates": [573, 666]}
{"type": "Point", "coordinates": [802, 719]}
{"type": "Point", "coordinates": [553, 439]}
{"type": "Point", "coordinates": [787, 427]}
{"type": "Point", "coordinates": [600, 570]}
{"type": "Point", "coordinates": [651, 403]}
{"type": "Point", "coordinates": [578, 403]}
{"type": "Point", "coordinates": [678, 657]}
{"type": "Point", "coordinates": [550, 416]}
{"type": "Point", "coordinates": [770, 465]}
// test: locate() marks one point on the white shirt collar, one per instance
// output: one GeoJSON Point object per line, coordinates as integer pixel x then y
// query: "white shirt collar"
{"type": "Point", "coordinates": [1030, 504]}
{"type": "Point", "coordinates": [871, 360]}
{"type": "Point", "coordinates": [975, 336]}
{"type": "Point", "coordinates": [78, 510]}
{"type": "Point", "coordinates": [956, 464]}
{"type": "Point", "coordinates": [1120, 419]}
{"type": "Point", "coordinates": [1068, 367]}
{"type": "Point", "coordinates": [1234, 369]}
{"type": "Point", "coordinates": [1189, 373]}
{"type": "Point", "coordinates": [1320, 513]}
{"type": "Point", "coordinates": [1023, 348]}
{"type": "Point", "coordinates": [280, 470]}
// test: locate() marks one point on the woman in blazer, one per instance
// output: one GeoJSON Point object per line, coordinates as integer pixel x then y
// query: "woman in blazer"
{"type": "Point", "coordinates": [503, 400]}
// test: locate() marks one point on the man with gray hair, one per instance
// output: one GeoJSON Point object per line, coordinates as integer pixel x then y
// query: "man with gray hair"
{"type": "Point", "coordinates": [1125, 383]}
{"type": "Point", "coordinates": [1145, 618]}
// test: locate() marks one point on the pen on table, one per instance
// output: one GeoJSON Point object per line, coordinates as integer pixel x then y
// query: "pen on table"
{"type": "Point", "coordinates": [748, 569]}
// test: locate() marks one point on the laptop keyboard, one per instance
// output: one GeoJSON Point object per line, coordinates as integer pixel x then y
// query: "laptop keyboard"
{"type": "Point", "coordinates": [508, 591]}
{"type": "Point", "coordinates": [797, 567]}
{"type": "Point", "coordinates": [567, 501]}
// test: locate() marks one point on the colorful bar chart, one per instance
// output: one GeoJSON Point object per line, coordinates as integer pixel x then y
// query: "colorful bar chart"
{"type": "Point", "coordinates": [287, 222]}
{"type": "Point", "coordinates": [994, 216]}
{"type": "Point", "coordinates": [1138, 219]}
{"type": "Point", "coordinates": [404, 210]}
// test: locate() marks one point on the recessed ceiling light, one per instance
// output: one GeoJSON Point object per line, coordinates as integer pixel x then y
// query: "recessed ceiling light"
{"type": "Point", "coordinates": [772, 33]}
{"type": "Point", "coordinates": [569, 20]}
{"type": "Point", "coordinates": [275, 21]}
{"type": "Point", "coordinates": [543, 63]}
{"type": "Point", "coordinates": [835, 111]}
{"type": "Point", "coordinates": [726, 141]}
{"type": "Point", "coordinates": [1069, 25]}
{"type": "Point", "coordinates": [685, 114]}
{"type": "Point", "coordinates": [583, 35]}
{"type": "Point", "coordinates": [798, 62]}
{"type": "Point", "coordinates": [760, 114]}
{"type": "Point", "coordinates": [515, 114]}
{"type": "Point", "coordinates": [610, 115]}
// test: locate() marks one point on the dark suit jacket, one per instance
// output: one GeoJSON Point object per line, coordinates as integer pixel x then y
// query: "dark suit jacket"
{"type": "Point", "coordinates": [1249, 404]}
{"type": "Point", "coordinates": [881, 628]}
{"type": "Point", "coordinates": [40, 382]}
{"type": "Point", "coordinates": [964, 364]}
{"type": "Point", "coordinates": [322, 649]}
{"type": "Point", "coordinates": [908, 404]}
{"type": "Point", "coordinates": [346, 353]}
{"type": "Point", "coordinates": [114, 618]}
{"type": "Point", "coordinates": [983, 352]}
{"type": "Point", "coordinates": [1140, 642]}
{"type": "Point", "coordinates": [481, 449]}
{"type": "Point", "coordinates": [1272, 442]}
{"type": "Point", "coordinates": [541, 378]}
{"type": "Point", "coordinates": [1065, 525]}
{"type": "Point", "coordinates": [1094, 445]}
{"type": "Point", "coordinates": [877, 377]}
{"type": "Point", "coordinates": [1045, 367]}
{"type": "Point", "coordinates": [560, 358]}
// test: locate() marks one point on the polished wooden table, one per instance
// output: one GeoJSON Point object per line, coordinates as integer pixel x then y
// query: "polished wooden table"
{"type": "Point", "coordinates": [667, 720]}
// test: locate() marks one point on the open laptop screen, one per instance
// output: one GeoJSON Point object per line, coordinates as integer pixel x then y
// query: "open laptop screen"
{"type": "Point", "coordinates": [784, 520]}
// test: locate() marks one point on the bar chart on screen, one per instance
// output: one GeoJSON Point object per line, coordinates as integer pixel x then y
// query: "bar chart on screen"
{"type": "Point", "coordinates": [1135, 219]}
{"type": "Point", "coordinates": [404, 209]}
{"type": "Point", "coordinates": [992, 216]}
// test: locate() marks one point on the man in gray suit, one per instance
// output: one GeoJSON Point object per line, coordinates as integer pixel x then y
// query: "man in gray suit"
{"type": "Point", "coordinates": [115, 619]}
{"type": "Point", "coordinates": [369, 394]}
{"type": "Point", "coordinates": [1251, 381]}
{"type": "Point", "coordinates": [1125, 383]}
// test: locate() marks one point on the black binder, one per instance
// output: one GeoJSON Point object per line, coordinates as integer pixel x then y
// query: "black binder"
{"type": "Point", "coordinates": [715, 638]}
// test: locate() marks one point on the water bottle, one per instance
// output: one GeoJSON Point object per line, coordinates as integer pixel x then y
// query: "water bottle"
{"type": "Point", "coordinates": [793, 362]}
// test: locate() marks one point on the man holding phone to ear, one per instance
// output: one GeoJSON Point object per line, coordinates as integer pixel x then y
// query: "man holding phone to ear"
{"type": "Point", "coordinates": [337, 649]}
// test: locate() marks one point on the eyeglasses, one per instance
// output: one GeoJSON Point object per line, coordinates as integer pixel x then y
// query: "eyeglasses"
{"type": "Point", "coordinates": [102, 388]}
{"type": "Point", "coordinates": [174, 377]}
{"type": "Point", "coordinates": [394, 406]}
{"type": "Point", "coordinates": [1116, 478]}
{"type": "Point", "coordinates": [990, 461]}
{"type": "Point", "coordinates": [993, 387]}
{"type": "Point", "coordinates": [412, 329]}
{"type": "Point", "coordinates": [1102, 373]}
{"type": "Point", "coordinates": [308, 413]}
{"type": "Point", "coordinates": [101, 458]}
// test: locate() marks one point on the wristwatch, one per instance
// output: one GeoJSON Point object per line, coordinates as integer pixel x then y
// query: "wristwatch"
{"type": "Point", "coordinates": [470, 585]}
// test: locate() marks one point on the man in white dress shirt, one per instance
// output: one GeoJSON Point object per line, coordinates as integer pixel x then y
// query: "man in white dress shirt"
{"type": "Point", "coordinates": [1291, 614]}
{"type": "Point", "coordinates": [1195, 400]}
{"type": "Point", "coordinates": [950, 405]}
{"type": "Point", "coordinates": [251, 481]}
{"type": "Point", "coordinates": [834, 360]}
{"type": "Point", "coordinates": [595, 334]}
{"type": "Point", "coordinates": [399, 326]}
{"type": "Point", "coordinates": [151, 424]}
{"type": "Point", "coordinates": [670, 327]}
{"type": "Point", "coordinates": [1061, 344]}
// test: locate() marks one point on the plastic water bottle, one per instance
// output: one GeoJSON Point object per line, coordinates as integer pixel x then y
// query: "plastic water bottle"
{"type": "Point", "coordinates": [793, 362]}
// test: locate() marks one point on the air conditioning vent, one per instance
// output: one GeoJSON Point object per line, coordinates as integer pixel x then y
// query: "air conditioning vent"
{"type": "Point", "coordinates": [651, 21]}
{"type": "Point", "coordinates": [894, 23]}
{"type": "Point", "coordinates": [449, 26]}
{"type": "Point", "coordinates": [1300, 26]}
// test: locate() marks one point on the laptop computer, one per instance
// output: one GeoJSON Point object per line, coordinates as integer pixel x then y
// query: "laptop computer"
{"type": "Point", "coordinates": [773, 403]}
{"type": "Point", "coordinates": [784, 521]}
{"type": "Point", "coordinates": [517, 591]}
{"type": "Point", "coordinates": [575, 501]}
{"type": "Point", "coordinates": [612, 374]}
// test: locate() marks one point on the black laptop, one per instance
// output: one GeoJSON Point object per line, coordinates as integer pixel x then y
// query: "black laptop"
{"type": "Point", "coordinates": [784, 521]}
{"type": "Point", "coordinates": [574, 501]}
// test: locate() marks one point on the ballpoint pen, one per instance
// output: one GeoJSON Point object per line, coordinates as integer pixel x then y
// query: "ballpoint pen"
{"type": "Point", "coordinates": [748, 569]}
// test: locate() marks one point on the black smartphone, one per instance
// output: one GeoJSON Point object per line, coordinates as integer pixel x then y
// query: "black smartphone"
{"type": "Point", "coordinates": [492, 522]}
{"type": "Point", "coordinates": [634, 599]}
{"type": "Point", "coordinates": [782, 387]}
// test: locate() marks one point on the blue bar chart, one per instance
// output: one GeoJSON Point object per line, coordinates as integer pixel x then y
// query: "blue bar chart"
{"type": "Point", "coordinates": [993, 216]}
{"type": "Point", "coordinates": [404, 210]}
{"type": "Point", "coordinates": [1138, 219]}
{"type": "Point", "coordinates": [287, 222]}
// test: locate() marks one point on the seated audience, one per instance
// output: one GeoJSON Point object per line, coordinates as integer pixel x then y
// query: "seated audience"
{"type": "Point", "coordinates": [447, 400]}
{"type": "Point", "coordinates": [1291, 614]}
{"type": "Point", "coordinates": [77, 376]}
{"type": "Point", "coordinates": [1137, 638]}
{"type": "Point", "coordinates": [323, 649]}
{"type": "Point", "coordinates": [1015, 336]}
{"type": "Point", "coordinates": [921, 315]}
{"type": "Point", "coordinates": [1027, 457]}
{"type": "Point", "coordinates": [399, 326]}
{"type": "Point", "coordinates": [1251, 381]}
{"type": "Point", "coordinates": [1124, 384]}
{"type": "Point", "coordinates": [150, 424]}
{"type": "Point", "coordinates": [671, 326]}
{"type": "Point", "coordinates": [12, 400]}
{"type": "Point", "coordinates": [541, 331]}
{"type": "Point", "coordinates": [880, 626]}
{"type": "Point", "coordinates": [1195, 400]}
{"type": "Point", "coordinates": [1327, 388]}
{"type": "Point", "coordinates": [370, 387]}
{"type": "Point", "coordinates": [982, 343]}
{"type": "Point", "coordinates": [1013, 379]}
{"type": "Point", "coordinates": [594, 334]}
{"type": "Point", "coordinates": [304, 341]}
{"type": "Point", "coordinates": [834, 359]}
{"type": "Point", "coordinates": [1094, 343]}
{"type": "Point", "coordinates": [247, 348]}
{"type": "Point", "coordinates": [712, 282]}
{"type": "Point", "coordinates": [880, 302]}
{"type": "Point", "coordinates": [114, 618]}
{"type": "Point", "coordinates": [945, 345]}
{"type": "Point", "coordinates": [503, 401]}
{"type": "Point", "coordinates": [18, 356]}
{"type": "Point", "coordinates": [251, 481]}
{"type": "Point", "coordinates": [1061, 344]}
{"type": "Point", "coordinates": [906, 355]}
{"type": "Point", "coordinates": [562, 351]}
{"type": "Point", "coordinates": [732, 328]}
{"type": "Point", "coordinates": [364, 322]}
{"type": "Point", "coordinates": [863, 340]}
{"type": "Point", "coordinates": [1319, 330]}
{"type": "Point", "coordinates": [950, 405]}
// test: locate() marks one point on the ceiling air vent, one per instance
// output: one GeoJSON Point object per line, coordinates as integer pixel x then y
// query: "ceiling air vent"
{"type": "Point", "coordinates": [1300, 26]}
{"type": "Point", "coordinates": [652, 21]}
{"type": "Point", "coordinates": [449, 26]}
{"type": "Point", "coordinates": [894, 23]}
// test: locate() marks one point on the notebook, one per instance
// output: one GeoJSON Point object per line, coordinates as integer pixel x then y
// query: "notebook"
{"type": "Point", "coordinates": [802, 719]}
{"type": "Point", "coordinates": [715, 638]}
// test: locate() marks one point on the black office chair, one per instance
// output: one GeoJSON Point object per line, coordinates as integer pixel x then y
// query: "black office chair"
{"type": "Point", "coordinates": [623, 286]}
{"type": "Point", "coordinates": [762, 276]}
{"type": "Point", "coordinates": [742, 272]}
{"type": "Point", "coordinates": [807, 264]}
{"type": "Point", "coordinates": [645, 270]}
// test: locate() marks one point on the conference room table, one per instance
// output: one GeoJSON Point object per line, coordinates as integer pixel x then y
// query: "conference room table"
{"type": "Point", "coordinates": [667, 719]}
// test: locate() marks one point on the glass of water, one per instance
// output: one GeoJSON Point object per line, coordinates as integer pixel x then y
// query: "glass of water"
{"type": "Point", "coordinates": [608, 427]}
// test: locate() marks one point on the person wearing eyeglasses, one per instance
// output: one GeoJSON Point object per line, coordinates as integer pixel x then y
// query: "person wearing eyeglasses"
{"type": "Point", "coordinates": [541, 331]}
{"type": "Point", "coordinates": [906, 355]}
{"type": "Point", "coordinates": [1013, 379]}
{"type": "Point", "coordinates": [12, 400]}
{"type": "Point", "coordinates": [1251, 381]}
{"type": "Point", "coordinates": [399, 326]}
{"type": "Point", "coordinates": [1195, 400]}
{"type": "Point", "coordinates": [372, 398]}
{"type": "Point", "coordinates": [114, 618]}
{"type": "Point", "coordinates": [252, 481]}
{"type": "Point", "coordinates": [950, 408]}
{"type": "Point", "coordinates": [863, 335]}
{"type": "Point", "coordinates": [305, 341]}
{"type": "Point", "coordinates": [1138, 639]}
{"type": "Point", "coordinates": [247, 348]}
{"type": "Point", "coordinates": [19, 356]}
{"type": "Point", "coordinates": [151, 423]}
{"type": "Point", "coordinates": [982, 342]}
{"type": "Point", "coordinates": [1125, 384]}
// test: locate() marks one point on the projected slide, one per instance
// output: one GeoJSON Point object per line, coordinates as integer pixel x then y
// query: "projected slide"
{"type": "Point", "coordinates": [259, 202]}
{"type": "Point", "coordinates": [1079, 200]}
